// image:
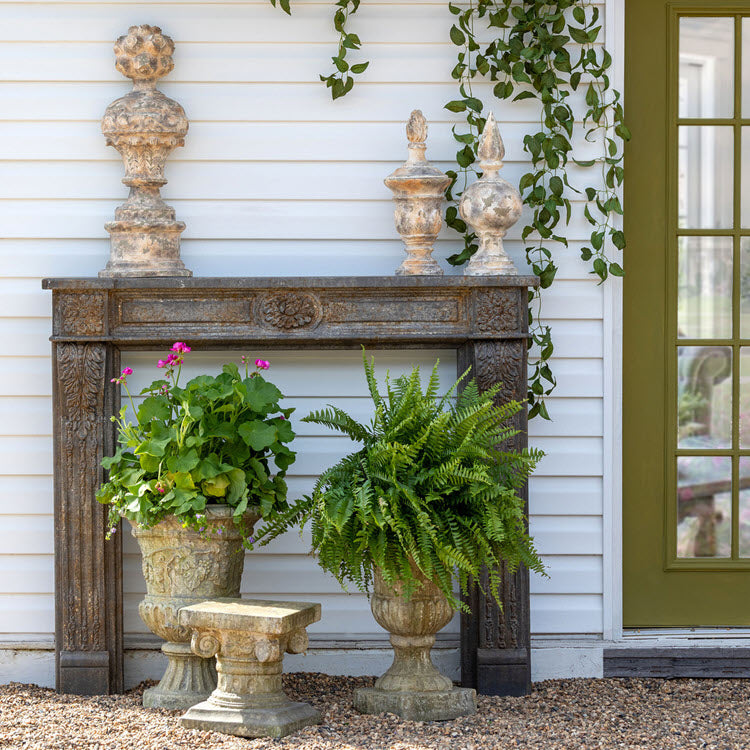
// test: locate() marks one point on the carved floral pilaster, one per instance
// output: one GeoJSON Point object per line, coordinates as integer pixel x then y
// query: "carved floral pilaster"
{"type": "Point", "coordinates": [145, 126]}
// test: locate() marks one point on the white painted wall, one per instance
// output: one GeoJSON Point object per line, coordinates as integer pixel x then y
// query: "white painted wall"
{"type": "Point", "coordinates": [275, 179]}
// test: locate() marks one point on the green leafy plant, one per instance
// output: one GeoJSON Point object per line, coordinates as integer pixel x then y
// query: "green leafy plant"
{"type": "Point", "coordinates": [209, 442]}
{"type": "Point", "coordinates": [435, 484]}
{"type": "Point", "coordinates": [544, 51]}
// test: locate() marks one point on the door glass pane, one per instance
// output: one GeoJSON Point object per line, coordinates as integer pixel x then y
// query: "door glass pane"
{"type": "Point", "coordinates": [745, 288]}
{"type": "Point", "coordinates": [704, 297]}
{"type": "Point", "coordinates": [745, 397]}
{"type": "Point", "coordinates": [706, 174]}
{"type": "Point", "coordinates": [704, 396]}
{"type": "Point", "coordinates": [745, 168]}
{"type": "Point", "coordinates": [706, 67]}
{"type": "Point", "coordinates": [746, 67]}
{"type": "Point", "coordinates": [745, 506]}
{"type": "Point", "coordinates": [704, 506]}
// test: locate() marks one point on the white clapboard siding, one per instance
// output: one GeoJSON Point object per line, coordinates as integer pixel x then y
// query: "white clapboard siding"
{"type": "Point", "coordinates": [34, 258]}
{"type": "Point", "coordinates": [274, 179]}
{"type": "Point", "coordinates": [280, 143]}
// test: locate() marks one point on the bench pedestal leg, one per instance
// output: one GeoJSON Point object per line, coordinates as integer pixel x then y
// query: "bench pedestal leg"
{"type": "Point", "coordinates": [248, 700]}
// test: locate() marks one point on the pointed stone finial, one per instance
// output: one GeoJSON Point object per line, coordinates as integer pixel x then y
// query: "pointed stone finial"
{"type": "Point", "coordinates": [145, 126]}
{"type": "Point", "coordinates": [418, 191]}
{"type": "Point", "coordinates": [490, 206]}
{"type": "Point", "coordinates": [416, 129]}
{"type": "Point", "coordinates": [491, 147]}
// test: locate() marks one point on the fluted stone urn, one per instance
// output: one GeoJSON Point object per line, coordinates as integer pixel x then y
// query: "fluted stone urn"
{"type": "Point", "coordinates": [413, 688]}
{"type": "Point", "coordinates": [418, 191]}
{"type": "Point", "coordinates": [145, 126]}
{"type": "Point", "coordinates": [184, 567]}
{"type": "Point", "coordinates": [490, 206]}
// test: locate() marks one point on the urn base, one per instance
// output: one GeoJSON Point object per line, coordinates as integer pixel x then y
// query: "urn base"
{"type": "Point", "coordinates": [251, 722]}
{"type": "Point", "coordinates": [188, 680]}
{"type": "Point", "coordinates": [433, 705]}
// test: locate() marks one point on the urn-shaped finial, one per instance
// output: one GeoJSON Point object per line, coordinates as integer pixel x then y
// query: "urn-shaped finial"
{"type": "Point", "coordinates": [418, 192]}
{"type": "Point", "coordinates": [145, 126]}
{"type": "Point", "coordinates": [490, 206]}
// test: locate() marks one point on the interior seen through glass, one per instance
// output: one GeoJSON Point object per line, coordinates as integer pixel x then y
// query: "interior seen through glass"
{"type": "Point", "coordinates": [713, 378]}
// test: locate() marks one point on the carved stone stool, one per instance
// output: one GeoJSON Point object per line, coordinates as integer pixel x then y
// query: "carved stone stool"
{"type": "Point", "coordinates": [249, 638]}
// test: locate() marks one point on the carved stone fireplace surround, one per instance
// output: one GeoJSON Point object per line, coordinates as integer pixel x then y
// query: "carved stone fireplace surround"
{"type": "Point", "coordinates": [483, 318]}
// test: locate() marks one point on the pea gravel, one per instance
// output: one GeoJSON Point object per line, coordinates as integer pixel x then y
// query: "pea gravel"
{"type": "Point", "coordinates": [580, 714]}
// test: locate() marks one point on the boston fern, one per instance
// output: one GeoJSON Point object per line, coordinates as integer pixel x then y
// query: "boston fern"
{"type": "Point", "coordinates": [434, 484]}
{"type": "Point", "coordinates": [207, 442]}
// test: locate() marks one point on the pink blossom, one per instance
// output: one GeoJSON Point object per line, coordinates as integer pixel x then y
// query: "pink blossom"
{"type": "Point", "coordinates": [114, 380]}
{"type": "Point", "coordinates": [127, 371]}
{"type": "Point", "coordinates": [262, 364]}
{"type": "Point", "coordinates": [181, 347]}
{"type": "Point", "coordinates": [162, 363]}
{"type": "Point", "coordinates": [281, 416]}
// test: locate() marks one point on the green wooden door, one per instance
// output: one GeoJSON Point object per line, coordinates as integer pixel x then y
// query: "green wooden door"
{"type": "Point", "coordinates": [686, 441]}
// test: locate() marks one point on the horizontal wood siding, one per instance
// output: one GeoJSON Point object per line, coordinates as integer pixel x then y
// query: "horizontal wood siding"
{"type": "Point", "coordinates": [274, 179]}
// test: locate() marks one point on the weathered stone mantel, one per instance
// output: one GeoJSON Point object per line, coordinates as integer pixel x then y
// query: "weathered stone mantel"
{"type": "Point", "coordinates": [483, 317]}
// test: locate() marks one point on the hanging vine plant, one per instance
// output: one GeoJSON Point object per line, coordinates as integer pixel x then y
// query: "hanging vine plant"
{"type": "Point", "coordinates": [545, 51]}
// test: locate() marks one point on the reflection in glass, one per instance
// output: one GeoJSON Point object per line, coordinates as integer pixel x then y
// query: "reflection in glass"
{"type": "Point", "coordinates": [704, 506]}
{"type": "Point", "coordinates": [744, 506]}
{"type": "Point", "coordinates": [745, 397]}
{"type": "Point", "coordinates": [704, 296]}
{"type": "Point", "coordinates": [746, 67]}
{"type": "Point", "coordinates": [745, 288]}
{"type": "Point", "coordinates": [704, 397]}
{"type": "Point", "coordinates": [745, 171]}
{"type": "Point", "coordinates": [706, 67]}
{"type": "Point", "coordinates": [705, 179]}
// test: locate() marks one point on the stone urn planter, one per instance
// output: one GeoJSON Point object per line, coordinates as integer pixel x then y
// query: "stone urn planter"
{"type": "Point", "coordinates": [184, 567]}
{"type": "Point", "coordinates": [413, 688]}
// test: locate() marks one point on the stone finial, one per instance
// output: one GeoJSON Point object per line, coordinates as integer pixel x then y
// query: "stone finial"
{"type": "Point", "coordinates": [249, 638]}
{"type": "Point", "coordinates": [418, 191]}
{"type": "Point", "coordinates": [145, 126]}
{"type": "Point", "coordinates": [490, 206]}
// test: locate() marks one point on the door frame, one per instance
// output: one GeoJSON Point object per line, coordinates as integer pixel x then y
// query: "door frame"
{"type": "Point", "coordinates": [643, 338]}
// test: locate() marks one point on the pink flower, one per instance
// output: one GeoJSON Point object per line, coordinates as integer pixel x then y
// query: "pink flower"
{"type": "Point", "coordinates": [261, 364]}
{"type": "Point", "coordinates": [181, 347]}
{"type": "Point", "coordinates": [114, 380]}
{"type": "Point", "coordinates": [281, 416]}
{"type": "Point", "coordinates": [127, 371]}
{"type": "Point", "coordinates": [162, 363]}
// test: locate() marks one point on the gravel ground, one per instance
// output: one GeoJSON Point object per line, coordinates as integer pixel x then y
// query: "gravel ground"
{"type": "Point", "coordinates": [578, 714]}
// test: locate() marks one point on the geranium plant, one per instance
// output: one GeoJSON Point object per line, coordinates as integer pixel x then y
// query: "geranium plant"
{"type": "Point", "coordinates": [210, 441]}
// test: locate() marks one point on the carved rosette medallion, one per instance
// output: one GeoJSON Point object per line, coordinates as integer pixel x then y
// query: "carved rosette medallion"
{"type": "Point", "coordinates": [288, 311]}
{"type": "Point", "coordinates": [145, 126]}
{"type": "Point", "coordinates": [497, 311]}
{"type": "Point", "coordinates": [81, 314]}
{"type": "Point", "coordinates": [182, 567]}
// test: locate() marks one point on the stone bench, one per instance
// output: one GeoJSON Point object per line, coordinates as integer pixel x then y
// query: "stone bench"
{"type": "Point", "coordinates": [249, 638]}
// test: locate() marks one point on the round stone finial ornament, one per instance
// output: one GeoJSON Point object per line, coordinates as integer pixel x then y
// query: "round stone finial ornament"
{"type": "Point", "coordinates": [491, 206]}
{"type": "Point", "coordinates": [418, 191]}
{"type": "Point", "coordinates": [144, 53]}
{"type": "Point", "coordinates": [145, 126]}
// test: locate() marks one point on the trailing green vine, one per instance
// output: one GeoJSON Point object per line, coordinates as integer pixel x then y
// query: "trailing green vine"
{"type": "Point", "coordinates": [529, 57]}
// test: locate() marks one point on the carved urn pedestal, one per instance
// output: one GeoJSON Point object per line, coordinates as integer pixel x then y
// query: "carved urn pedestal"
{"type": "Point", "coordinates": [183, 567]}
{"type": "Point", "coordinates": [413, 688]}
